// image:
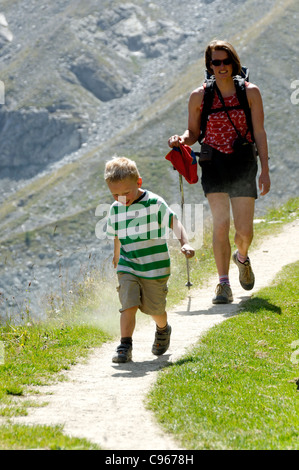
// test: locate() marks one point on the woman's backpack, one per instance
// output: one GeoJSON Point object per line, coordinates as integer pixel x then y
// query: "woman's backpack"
{"type": "Point", "coordinates": [239, 81]}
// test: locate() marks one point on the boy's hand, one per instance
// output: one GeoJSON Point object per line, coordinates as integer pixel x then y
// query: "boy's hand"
{"type": "Point", "coordinates": [187, 250]}
{"type": "Point", "coordinates": [115, 261]}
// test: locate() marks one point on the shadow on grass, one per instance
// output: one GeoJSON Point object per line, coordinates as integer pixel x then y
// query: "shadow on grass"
{"type": "Point", "coordinates": [246, 303]}
{"type": "Point", "coordinates": [260, 304]}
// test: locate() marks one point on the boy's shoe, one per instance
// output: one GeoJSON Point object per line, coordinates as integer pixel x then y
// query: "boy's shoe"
{"type": "Point", "coordinates": [246, 276]}
{"type": "Point", "coordinates": [223, 294]}
{"type": "Point", "coordinates": [161, 343]}
{"type": "Point", "coordinates": [123, 353]}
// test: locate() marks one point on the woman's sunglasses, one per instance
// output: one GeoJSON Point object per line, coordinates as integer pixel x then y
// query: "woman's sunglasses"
{"type": "Point", "coordinates": [218, 62]}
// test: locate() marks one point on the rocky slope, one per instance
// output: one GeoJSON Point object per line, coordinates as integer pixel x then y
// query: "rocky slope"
{"type": "Point", "coordinates": [85, 80]}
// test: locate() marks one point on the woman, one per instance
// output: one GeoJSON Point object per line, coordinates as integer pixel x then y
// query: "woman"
{"type": "Point", "coordinates": [228, 180]}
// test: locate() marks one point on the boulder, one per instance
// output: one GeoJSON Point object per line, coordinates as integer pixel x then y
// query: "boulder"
{"type": "Point", "coordinates": [101, 80]}
{"type": "Point", "coordinates": [32, 138]}
{"type": "Point", "coordinates": [5, 33]}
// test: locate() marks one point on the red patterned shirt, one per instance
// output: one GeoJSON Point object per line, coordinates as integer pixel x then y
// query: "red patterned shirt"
{"type": "Point", "coordinates": [220, 133]}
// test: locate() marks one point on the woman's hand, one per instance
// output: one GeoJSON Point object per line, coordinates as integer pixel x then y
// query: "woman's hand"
{"type": "Point", "coordinates": [175, 141]}
{"type": "Point", "coordinates": [264, 182]}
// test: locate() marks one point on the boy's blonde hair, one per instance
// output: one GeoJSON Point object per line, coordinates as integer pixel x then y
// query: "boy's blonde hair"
{"type": "Point", "coordinates": [120, 168]}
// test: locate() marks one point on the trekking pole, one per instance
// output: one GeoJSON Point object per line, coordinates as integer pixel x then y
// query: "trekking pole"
{"type": "Point", "coordinates": [188, 283]}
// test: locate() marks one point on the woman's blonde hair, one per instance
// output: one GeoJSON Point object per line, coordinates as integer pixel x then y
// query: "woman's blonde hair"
{"type": "Point", "coordinates": [218, 45]}
{"type": "Point", "coordinates": [119, 168]}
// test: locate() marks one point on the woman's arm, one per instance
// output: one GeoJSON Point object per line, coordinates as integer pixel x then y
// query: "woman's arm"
{"type": "Point", "coordinates": [191, 134]}
{"type": "Point", "coordinates": [260, 136]}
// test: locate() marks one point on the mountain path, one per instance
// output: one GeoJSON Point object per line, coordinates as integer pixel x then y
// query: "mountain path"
{"type": "Point", "coordinates": [105, 402]}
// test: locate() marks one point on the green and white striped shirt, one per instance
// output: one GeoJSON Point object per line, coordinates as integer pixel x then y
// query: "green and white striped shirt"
{"type": "Point", "coordinates": [142, 229]}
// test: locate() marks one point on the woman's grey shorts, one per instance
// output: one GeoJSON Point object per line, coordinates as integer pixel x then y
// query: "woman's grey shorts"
{"type": "Point", "coordinates": [149, 295]}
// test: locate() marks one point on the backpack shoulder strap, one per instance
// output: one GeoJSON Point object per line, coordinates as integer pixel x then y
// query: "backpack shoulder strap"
{"type": "Point", "coordinates": [242, 97]}
{"type": "Point", "coordinates": [209, 96]}
{"type": "Point", "coordinates": [207, 105]}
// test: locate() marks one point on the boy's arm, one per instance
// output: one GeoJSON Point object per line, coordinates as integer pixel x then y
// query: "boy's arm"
{"type": "Point", "coordinates": [116, 252]}
{"type": "Point", "coordinates": [181, 235]}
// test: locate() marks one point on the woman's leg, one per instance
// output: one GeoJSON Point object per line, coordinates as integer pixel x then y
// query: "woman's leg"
{"type": "Point", "coordinates": [243, 212]}
{"type": "Point", "coordinates": [220, 208]}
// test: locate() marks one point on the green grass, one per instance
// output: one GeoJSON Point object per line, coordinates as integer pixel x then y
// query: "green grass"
{"type": "Point", "coordinates": [34, 354]}
{"type": "Point", "coordinates": [274, 219]}
{"type": "Point", "coordinates": [18, 437]}
{"type": "Point", "coordinates": [237, 388]}
{"type": "Point", "coordinates": [39, 353]}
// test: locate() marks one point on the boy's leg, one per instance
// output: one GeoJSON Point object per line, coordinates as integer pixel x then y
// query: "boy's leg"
{"type": "Point", "coordinates": [127, 325]}
{"type": "Point", "coordinates": [160, 320]}
{"type": "Point", "coordinates": [128, 322]}
{"type": "Point", "coordinates": [129, 294]}
{"type": "Point", "coordinates": [162, 334]}
{"type": "Point", "coordinates": [153, 303]}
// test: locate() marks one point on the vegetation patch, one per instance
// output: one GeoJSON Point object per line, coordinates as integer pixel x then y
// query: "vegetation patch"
{"type": "Point", "coordinates": [34, 354]}
{"type": "Point", "coordinates": [237, 389]}
{"type": "Point", "coordinates": [16, 437]}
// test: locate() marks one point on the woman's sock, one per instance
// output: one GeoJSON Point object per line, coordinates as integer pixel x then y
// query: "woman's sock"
{"type": "Point", "coordinates": [224, 280]}
{"type": "Point", "coordinates": [241, 258]}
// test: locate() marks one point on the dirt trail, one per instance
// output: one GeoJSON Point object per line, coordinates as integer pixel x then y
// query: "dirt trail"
{"type": "Point", "coordinates": [104, 402]}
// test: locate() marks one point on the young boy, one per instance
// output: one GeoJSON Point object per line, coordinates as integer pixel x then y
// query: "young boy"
{"type": "Point", "coordinates": [139, 221]}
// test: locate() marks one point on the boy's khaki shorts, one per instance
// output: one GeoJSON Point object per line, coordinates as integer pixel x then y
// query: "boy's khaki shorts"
{"type": "Point", "coordinates": [148, 294]}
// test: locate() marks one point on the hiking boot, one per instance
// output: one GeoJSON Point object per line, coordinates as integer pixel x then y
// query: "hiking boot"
{"type": "Point", "coordinates": [223, 294]}
{"type": "Point", "coordinates": [246, 276]}
{"type": "Point", "coordinates": [123, 353]}
{"type": "Point", "coordinates": [162, 341]}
